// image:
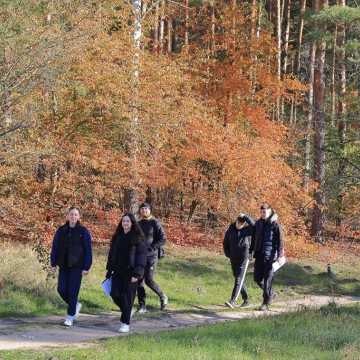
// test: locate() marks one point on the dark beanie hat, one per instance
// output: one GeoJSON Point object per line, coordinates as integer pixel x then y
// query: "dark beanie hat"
{"type": "Point", "coordinates": [145, 205]}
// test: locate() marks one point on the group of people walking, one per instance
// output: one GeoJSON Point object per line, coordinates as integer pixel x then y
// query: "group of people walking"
{"type": "Point", "coordinates": [136, 247]}
{"type": "Point", "coordinates": [132, 260]}
{"type": "Point", "coordinates": [262, 240]}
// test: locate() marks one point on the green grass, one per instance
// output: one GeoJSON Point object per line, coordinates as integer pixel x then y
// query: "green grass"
{"type": "Point", "coordinates": [329, 333]}
{"type": "Point", "coordinates": [191, 278]}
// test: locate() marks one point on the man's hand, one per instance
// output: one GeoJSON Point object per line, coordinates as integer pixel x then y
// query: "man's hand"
{"type": "Point", "coordinates": [85, 272]}
{"type": "Point", "coordinates": [53, 268]}
{"type": "Point", "coordinates": [134, 279]}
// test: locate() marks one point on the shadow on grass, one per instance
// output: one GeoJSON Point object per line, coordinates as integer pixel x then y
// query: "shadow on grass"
{"type": "Point", "coordinates": [305, 281]}
{"type": "Point", "coordinates": [194, 268]}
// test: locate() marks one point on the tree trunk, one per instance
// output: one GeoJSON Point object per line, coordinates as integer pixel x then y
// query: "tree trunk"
{"type": "Point", "coordinates": [186, 41]}
{"type": "Point", "coordinates": [309, 127]}
{"type": "Point", "coordinates": [278, 36]}
{"type": "Point", "coordinates": [259, 21]}
{"type": "Point", "coordinates": [300, 35]}
{"type": "Point", "coordinates": [341, 116]}
{"type": "Point", "coordinates": [213, 28]}
{"type": "Point", "coordinates": [287, 36]}
{"type": "Point", "coordinates": [285, 52]}
{"type": "Point", "coordinates": [162, 27]}
{"type": "Point", "coordinates": [169, 42]}
{"type": "Point", "coordinates": [318, 221]}
{"type": "Point", "coordinates": [192, 209]}
{"type": "Point", "coordinates": [6, 95]}
{"type": "Point", "coordinates": [253, 56]}
{"type": "Point", "coordinates": [130, 193]}
{"type": "Point", "coordinates": [156, 29]}
{"type": "Point", "coordinates": [333, 79]}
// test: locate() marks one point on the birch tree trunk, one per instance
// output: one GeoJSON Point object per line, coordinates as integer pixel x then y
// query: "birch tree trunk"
{"type": "Point", "coordinates": [170, 31]}
{"type": "Point", "coordinates": [162, 27]}
{"type": "Point", "coordinates": [130, 193]}
{"type": "Point", "coordinates": [287, 37]}
{"type": "Point", "coordinates": [300, 35]}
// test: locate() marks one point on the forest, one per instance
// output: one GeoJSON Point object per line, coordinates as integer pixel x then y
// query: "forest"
{"type": "Point", "coordinates": [203, 108]}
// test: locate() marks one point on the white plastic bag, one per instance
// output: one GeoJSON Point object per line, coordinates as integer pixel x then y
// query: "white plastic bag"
{"type": "Point", "coordinates": [281, 261]}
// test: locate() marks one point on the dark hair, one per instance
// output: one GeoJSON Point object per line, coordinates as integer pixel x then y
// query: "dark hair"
{"type": "Point", "coordinates": [265, 206]}
{"type": "Point", "coordinates": [135, 231]}
{"type": "Point", "coordinates": [74, 208]}
{"type": "Point", "coordinates": [145, 205]}
{"type": "Point", "coordinates": [240, 219]}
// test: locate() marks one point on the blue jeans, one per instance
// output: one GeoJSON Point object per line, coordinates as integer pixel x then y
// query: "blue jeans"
{"type": "Point", "coordinates": [69, 283]}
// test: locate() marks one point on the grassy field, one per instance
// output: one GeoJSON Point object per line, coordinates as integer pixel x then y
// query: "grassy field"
{"type": "Point", "coordinates": [329, 333]}
{"type": "Point", "coordinates": [191, 278]}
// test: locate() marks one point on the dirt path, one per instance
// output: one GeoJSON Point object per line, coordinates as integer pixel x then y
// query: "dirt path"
{"type": "Point", "coordinates": [20, 333]}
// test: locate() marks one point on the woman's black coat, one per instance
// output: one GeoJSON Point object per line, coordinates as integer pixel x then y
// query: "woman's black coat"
{"type": "Point", "coordinates": [127, 256]}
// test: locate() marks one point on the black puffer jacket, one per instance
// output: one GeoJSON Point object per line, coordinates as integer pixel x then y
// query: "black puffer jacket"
{"type": "Point", "coordinates": [268, 239]}
{"type": "Point", "coordinates": [154, 235]}
{"type": "Point", "coordinates": [127, 256]}
{"type": "Point", "coordinates": [237, 242]}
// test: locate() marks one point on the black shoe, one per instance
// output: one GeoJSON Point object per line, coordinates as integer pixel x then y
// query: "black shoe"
{"type": "Point", "coordinates": [245, 304]}
{"type": "Point", "coordinates": [264, 307]}
{"type": "Point", "coordinates": [163, 302]}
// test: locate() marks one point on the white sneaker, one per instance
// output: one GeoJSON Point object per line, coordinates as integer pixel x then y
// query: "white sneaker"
{"type": "Point", "coordinates": [142, 310]}
{"type": "Point", "coordinates": [68, 321]}
{"type": "Point", "coordinates": [124, 328]}
{"type": "Point", "coordinates": [78, 308]}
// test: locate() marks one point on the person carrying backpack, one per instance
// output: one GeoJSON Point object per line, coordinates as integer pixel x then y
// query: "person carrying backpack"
{"type": "Point", "coordinates": [155, 240]}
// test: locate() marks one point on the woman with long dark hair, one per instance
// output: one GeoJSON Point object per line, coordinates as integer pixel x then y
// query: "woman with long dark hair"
{"type": "Point", "coordinates": [125, 265]}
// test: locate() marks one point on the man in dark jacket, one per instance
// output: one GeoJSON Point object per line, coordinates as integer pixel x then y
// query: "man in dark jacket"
{"type": "Point", "coordinates": [154, 239]}
{"type": "Point", "coordinates": [268, 246]}
{"type": "Point", "coordinates": [237, 242]}
{"type": "Point", "coordinates": [71, 252]}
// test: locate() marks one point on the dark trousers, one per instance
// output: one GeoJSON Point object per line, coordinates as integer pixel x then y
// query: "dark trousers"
{"type": "Point", "coordinates": [148, 279]}
{"type": "Point", "coordinates": [239, 268]}
{"type": "Point", "coordinates": [263, 276]}
{"type": "Point", "coordinates": [123, 296]}
{"type": "Point", "coordinates": [69, 283]}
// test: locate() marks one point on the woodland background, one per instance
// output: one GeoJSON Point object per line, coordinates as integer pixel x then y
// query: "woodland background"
{"type": "Point", "coordinates": [203, 108]}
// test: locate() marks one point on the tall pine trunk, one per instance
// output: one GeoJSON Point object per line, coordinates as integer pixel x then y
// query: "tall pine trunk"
{"type": "Point", "coordinates": [341, 118]}
{"type": "Point", "coordinates": [309, 125]}
{"type": "Point", "coordinates": [333, 78]}
{"type": "Point", "coordinates": [278, 37]}
{"type": "Point", "coordinates": [318, 220]}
